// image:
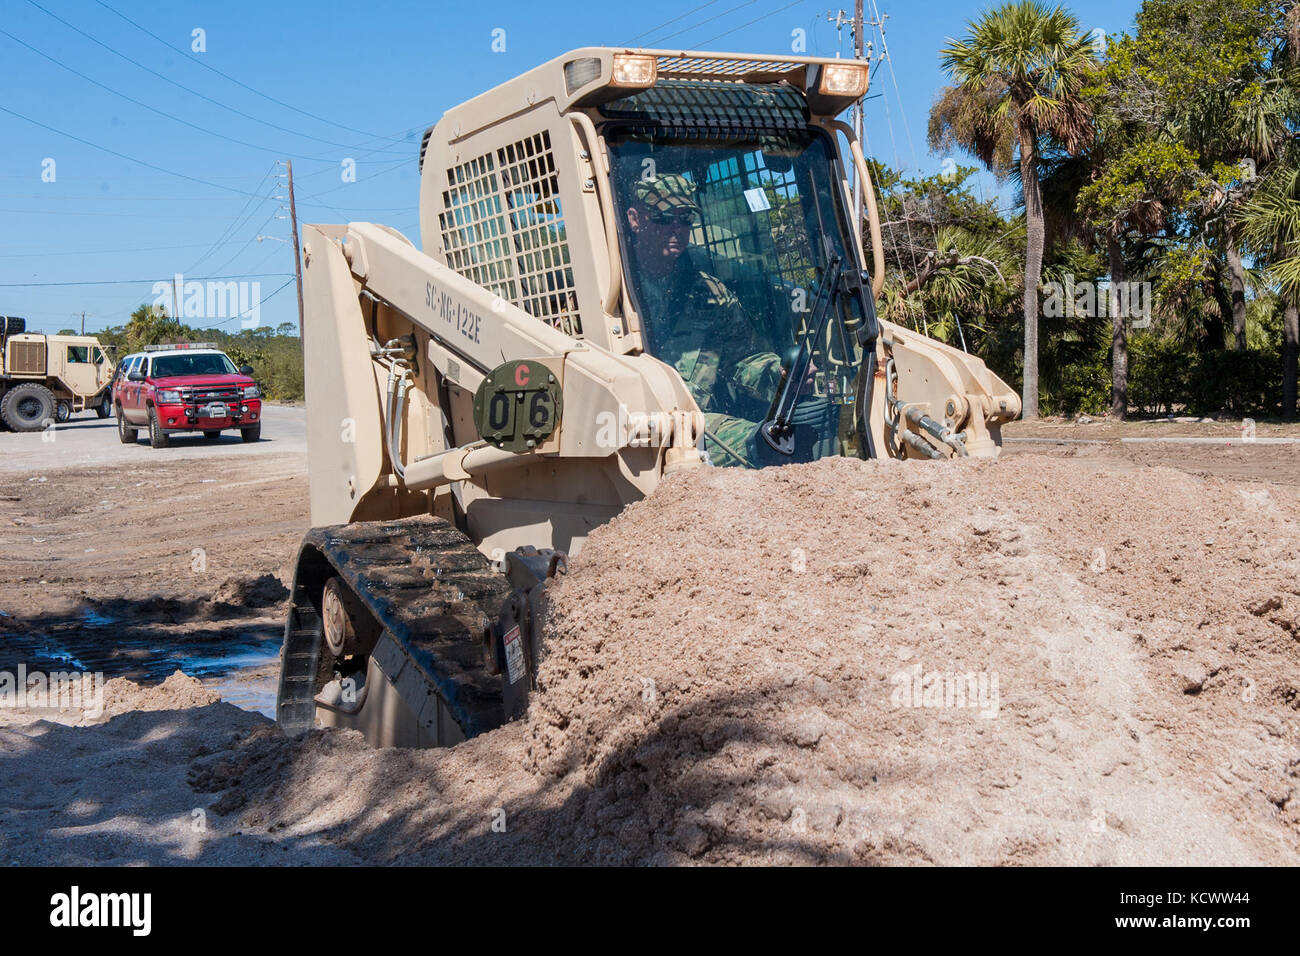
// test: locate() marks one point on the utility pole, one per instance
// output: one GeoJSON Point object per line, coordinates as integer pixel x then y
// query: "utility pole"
{"type": "Point", "coordinates": [858, 197]}
{"type": "Point", "coordinates": [861, 50]}
{"type": "Point", "coordinates": [297, 255]}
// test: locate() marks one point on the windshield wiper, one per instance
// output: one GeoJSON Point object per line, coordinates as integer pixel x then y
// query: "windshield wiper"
{"type": "Point", "coordinates": [778, 431]}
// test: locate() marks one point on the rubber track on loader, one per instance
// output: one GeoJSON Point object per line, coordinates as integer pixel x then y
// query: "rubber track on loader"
{"type": "Point", "coordinates": [433, 593]}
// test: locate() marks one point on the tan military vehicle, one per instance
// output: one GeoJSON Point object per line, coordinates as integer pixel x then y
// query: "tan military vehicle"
{"type": "Point", "coordinates": [49, 378]}
{"type": "Point", "coordinates": [632, 263]}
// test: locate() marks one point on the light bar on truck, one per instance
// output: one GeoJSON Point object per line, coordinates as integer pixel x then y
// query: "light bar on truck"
{"type": "Point", "coordinates": [180, 345]}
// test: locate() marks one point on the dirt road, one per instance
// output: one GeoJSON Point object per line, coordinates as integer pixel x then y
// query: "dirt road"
{"type": "Point", "coordinates": [736, 700]}
{"type": "Point", "coordinates": [86, 441]}
{"type": "Point", "coordinates": [171, 559]}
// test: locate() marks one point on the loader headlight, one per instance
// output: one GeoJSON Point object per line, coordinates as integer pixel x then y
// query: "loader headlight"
{"type": "Point", "coordinates": [843, 79]}
{"type": "Point", "coordinates": [634, 69]}
{"type": "Point", "coordinates": [578, 73]}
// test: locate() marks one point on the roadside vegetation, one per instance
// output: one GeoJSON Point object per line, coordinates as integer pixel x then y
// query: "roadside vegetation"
{"type": "Point", "coordinates": [1150, 260]}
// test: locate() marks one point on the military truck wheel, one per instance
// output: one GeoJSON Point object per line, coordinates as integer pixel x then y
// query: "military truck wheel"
{"type": "Point", "coordinates": [157, 437]}
{"type": "Point", "coordinates": [14, 325]}
{"type": "Point", "coordinates": [211, 436]}
{"type": "Point", "coordinates": [62, 412]}
{"type": "Point", "coordinates": [105, 407]}
{"type": "Point", "coordinates": [125, 433]}
{"type": "Point", "coordinates": [252, 434]}
{"type": "Point", "coordinates": [27, 407]}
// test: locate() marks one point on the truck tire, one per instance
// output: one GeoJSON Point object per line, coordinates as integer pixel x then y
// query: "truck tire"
{"type": "Point", "coordinates": [157, 437]}
{"type": "Point", "coordinates": [105, 406]}
{"type": "Point", "coordinates": [125, 433]}
{"type": "Point", "coordinates": [251, 434]}
{"type": "Point", "coordinates": [62, 412]}
{"type": "Point", "coordinates": [14, 325]}
{"type": "Point", "coordinates": [27, 407]}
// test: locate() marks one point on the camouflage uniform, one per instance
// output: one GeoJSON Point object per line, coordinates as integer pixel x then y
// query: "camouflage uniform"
{"type": "Point", "coordinates": [698, 327]}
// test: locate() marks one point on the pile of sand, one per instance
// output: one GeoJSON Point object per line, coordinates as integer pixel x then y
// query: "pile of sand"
{"type": "Point", "coordinates": [1027, 661]}
{"type": "Point", "coordinates": [177, 692]}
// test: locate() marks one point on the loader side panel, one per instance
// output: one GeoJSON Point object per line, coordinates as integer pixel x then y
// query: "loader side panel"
{"type": "Point", "coordinates": [344, 422]}
{"type": "Point", "coordinates": [509, 208]}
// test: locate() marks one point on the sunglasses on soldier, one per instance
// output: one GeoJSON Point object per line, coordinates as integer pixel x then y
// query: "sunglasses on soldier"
{"type": "Point", "coordinates": [676, 215]}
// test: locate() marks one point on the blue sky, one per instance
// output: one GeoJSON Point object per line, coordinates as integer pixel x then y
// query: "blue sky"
{"type": "Point", "coordinates": [321, 82]}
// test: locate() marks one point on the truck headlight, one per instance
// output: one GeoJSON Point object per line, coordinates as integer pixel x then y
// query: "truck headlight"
{"type": "Point", "coordinates": [250, 391]}
{"type": "Point", "coordinates": [168, 397]}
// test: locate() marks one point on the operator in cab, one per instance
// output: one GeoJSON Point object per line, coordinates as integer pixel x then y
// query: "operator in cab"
{"type": "Point", "coordinates": [695, 323]}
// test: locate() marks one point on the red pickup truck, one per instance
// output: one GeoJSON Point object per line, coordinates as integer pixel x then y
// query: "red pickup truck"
{"type": "Point", "coordinates": [185, 388]}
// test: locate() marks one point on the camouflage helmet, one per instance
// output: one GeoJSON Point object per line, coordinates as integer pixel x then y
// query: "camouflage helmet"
{"type": "Point", "coordinates": [670, 193]}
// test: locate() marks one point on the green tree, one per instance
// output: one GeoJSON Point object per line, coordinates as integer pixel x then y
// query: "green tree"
{"type": "Point", "coordinates": [151, 325]}
{"type": "Point", "coordinates": [1270, 225]}
{"type": "Point", "coordinates": [1018, 74]}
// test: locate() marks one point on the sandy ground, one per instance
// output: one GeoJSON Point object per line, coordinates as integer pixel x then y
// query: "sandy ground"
{"type": "Point", "coordinates": [780, 685]}
{"type": "Point", "coordinates": [138, 570]}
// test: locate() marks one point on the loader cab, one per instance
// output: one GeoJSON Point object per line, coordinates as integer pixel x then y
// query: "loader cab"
{"type": "Point", "coordinates": [530, 190]}
{"type": "Point", "coordinates": [725, 238]}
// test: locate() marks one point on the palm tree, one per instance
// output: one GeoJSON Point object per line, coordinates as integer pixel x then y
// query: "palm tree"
{"type": "Point", "coordinates": [1018, 78]}
{"type": "Point", "coordinates": [1270, 226]}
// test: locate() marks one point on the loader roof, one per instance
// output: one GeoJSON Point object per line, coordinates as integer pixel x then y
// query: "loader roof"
{"type": "Point", "coordinates": [570, 80]}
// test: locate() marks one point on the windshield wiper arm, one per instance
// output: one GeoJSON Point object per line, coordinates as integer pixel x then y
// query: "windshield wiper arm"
{"type": "Point", "coordinates": [778, 431]}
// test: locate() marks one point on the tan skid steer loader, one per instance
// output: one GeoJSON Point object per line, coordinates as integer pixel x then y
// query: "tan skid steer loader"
{"type": "Point", "coordinates": [633, 262]}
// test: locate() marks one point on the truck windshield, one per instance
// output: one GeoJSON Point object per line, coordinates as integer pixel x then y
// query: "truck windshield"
{"type": "Point", "coordinates": [199, 363]}
{"type": "Point", "coordinates": [724, 242]}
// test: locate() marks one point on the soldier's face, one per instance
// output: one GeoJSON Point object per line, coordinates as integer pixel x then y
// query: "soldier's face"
{"type": "Point", "coordinates": [659, 243]}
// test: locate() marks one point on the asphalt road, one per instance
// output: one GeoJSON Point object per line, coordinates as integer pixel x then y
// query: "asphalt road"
{"type": "Point", "coordinates": [87, 441]}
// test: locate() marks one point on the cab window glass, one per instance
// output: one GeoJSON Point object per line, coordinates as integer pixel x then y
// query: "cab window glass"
{"type": "Point", "coordinates": [79, 353]}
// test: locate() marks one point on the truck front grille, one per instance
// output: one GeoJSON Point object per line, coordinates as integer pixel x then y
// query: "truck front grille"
{"type": "Point", "coordinates": [202, 395]}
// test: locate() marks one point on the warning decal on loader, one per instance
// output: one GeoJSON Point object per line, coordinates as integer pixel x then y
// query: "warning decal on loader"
{"type": "Point", "coordinates": [515, 667]}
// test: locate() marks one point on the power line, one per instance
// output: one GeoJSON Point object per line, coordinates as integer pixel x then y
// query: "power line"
{"type": "Point", "coordinates": [373, 176]}
{"type": "Point", "coordinates": [694, 26]}
{"type": "Point", "coordinates": [152, 109]}
{"type": "Point", "coordinates": [45, 285]}
{"type": "Point", "coordinates": [111, 215]}
{"type": "Point", "coordinates": [795, 3]}
{"type": "Point", "coordinates": [182, 86]}
{"type": "Point", "coordinates": [240, 251]}
{"type": "Point", "coordinates": [667, 23]}
{"type": "Point", "coordinates": [233, 226]}
{"type": "Point", "coordinates": [258, 306]}
{"type": "Point", "coordinates": [240, 83]}
{"type": "Point", "coordinates": [113, 152]}
{"type": "Point", "coordinates": [105, 252]}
